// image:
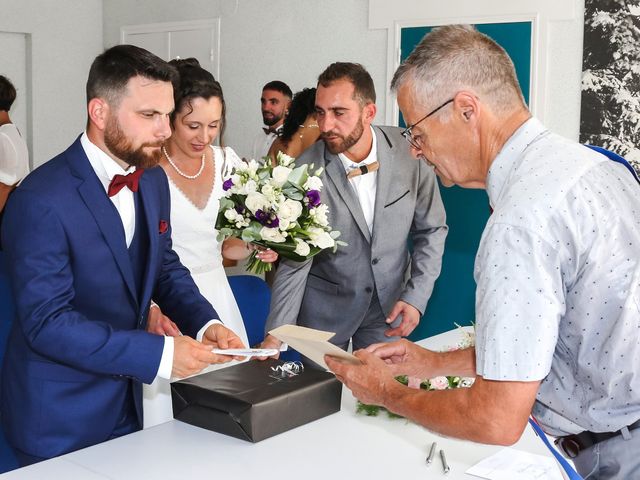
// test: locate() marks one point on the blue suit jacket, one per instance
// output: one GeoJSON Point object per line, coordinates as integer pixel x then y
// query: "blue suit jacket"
{"type": "Point", "coordinates": [79, 336]}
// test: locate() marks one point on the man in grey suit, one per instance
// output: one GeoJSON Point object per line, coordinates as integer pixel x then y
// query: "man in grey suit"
{"type": "Point", "coordinates": [376, 288]}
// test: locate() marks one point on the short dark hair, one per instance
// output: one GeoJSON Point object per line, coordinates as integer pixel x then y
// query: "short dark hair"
{"type": "Point", "coordinates": [195, 82]}
{"type": "Point", "coordinates": [364, 90]}
{"type": "Point", "coordinates": [302, 105]}
{"type": "Point", "coordinates": [279, 86]}
{"type": "Point", "coordinates": [111, 71]}
{"type": "Point", "coordinates": [7, 93]}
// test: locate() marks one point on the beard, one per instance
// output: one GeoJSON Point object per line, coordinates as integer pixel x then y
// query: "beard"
{"type": "Point", "coordinates": [272, 120]}
{"type": "Point", "coordinates": [122, 147]}
{"type": "Point", "coordinates": [345, 143]}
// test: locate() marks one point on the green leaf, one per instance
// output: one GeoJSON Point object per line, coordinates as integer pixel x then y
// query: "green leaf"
{"type": "Point", "coordinates": [298, 176]}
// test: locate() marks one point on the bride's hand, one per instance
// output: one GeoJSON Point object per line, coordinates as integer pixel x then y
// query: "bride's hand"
{"type": "Point", "coordinates": [267, 255]}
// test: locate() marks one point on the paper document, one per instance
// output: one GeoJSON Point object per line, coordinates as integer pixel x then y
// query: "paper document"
{"type": "Point", "coordinates": [509, 463]}
{"type": "Point", "coordinates": [247, 352]}
{"type": "Point", "coordinates": [311, 343]}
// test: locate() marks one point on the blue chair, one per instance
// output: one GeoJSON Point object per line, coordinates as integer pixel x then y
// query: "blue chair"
{"type": "Point", "coordinates": [253, 296]}
{"type": "Point", "coordinates": [7, 310]}
{"type": "Point", "coordinates": [616, 158]}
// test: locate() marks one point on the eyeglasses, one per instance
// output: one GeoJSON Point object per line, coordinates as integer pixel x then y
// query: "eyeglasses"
{"type": "Point", "coordinates": [406, 133]}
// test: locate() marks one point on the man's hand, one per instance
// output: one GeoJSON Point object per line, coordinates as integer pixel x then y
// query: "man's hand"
{"type": "Point", "coordinates": [410, 319]}
{"type": "Point", "coordinates": [160, 324]}
{"type": "Point", "coordinates": [219, 336]}
{"type": "Point", "coordinates": [405, 358]}
{"type": "Point", "coordinates": [270, 342]}
{"type": "Point", "coordinates": [191, 356]}
{"type": "Point", "coordinates": [371, 382]}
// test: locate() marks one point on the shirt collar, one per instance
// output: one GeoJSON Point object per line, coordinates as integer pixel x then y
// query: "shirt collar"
{"type": "Point", "coordinates": [509, 157]}
{"type": "Point", "coordinates": [104, 166]}
{"type": "Point", "coordinates": [349, 164]}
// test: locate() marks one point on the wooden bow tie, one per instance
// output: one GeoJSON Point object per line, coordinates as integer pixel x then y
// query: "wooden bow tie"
{"type": "Point", "coordinates": [363, 170]}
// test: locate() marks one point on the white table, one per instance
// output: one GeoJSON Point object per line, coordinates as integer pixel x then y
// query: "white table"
{"type": "Point", "coordinates": [344, 445]}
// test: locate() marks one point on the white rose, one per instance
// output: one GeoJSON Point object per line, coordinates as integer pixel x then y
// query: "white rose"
{"type": "Point", "coordinates": [302, 248]}
{"type": "Point", "coordinates": [255, 201]}
{"type": "Point", "coordinates": [319, 214]}
{"type": "Point", "coordinates": [320, 238]}
{"type": "Point", "coordinates": [280, 175]}
{"type": "Point", "coordinates": [272, 235]}
{"type": "Point", "coordinates": [313, 183]}
{"type": "Point", "coordinates": [284, 224]}
{"type": "Point", "coordinates": [250, 186]}
{"type": "Point", "coordinates": [290, 210]}
{"type": "Point", "coordinates": [267, 189]}
{"type": "Point", "coordinates": [231, 215]}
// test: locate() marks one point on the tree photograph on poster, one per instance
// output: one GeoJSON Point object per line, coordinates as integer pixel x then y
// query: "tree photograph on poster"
{"type": "Point", "coordinates": [610, 110]}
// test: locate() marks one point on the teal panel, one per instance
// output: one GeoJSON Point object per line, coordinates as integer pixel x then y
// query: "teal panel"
{"type": "Point", "coordinates": [453, 299]}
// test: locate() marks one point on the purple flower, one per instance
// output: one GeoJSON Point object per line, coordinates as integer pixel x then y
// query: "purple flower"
{"type": "Point", "coordinates": [227, 184]}
{"type": "Point", "coordinates": [240, 209]}
{"type": "Point", "coordinates": [267, 219]}
{"type": "Point", "coordinates": [313, 197]}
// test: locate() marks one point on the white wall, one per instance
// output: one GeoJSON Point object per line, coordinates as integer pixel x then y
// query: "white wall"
{"type": "Point", "coordinates": [294, 40]}
{"type": "Point", "coordinates": [289, 40]}
{"type": "Point", "coordinates": [65, 36]}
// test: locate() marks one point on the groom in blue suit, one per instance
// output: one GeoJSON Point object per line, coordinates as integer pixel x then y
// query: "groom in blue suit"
{"type": "Point", "coordinates": [88, 245]}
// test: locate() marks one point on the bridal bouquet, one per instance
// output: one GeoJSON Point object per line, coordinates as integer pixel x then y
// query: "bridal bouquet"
{"type": "Point", "coordinates": [277, 207]}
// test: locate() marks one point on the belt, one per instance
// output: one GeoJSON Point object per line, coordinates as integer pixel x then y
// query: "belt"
{"type": "Point", "coordinates": [572, 445]}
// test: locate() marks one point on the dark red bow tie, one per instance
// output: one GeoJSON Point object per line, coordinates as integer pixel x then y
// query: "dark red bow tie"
{"type": "Point", "coordinates": [131, 180]}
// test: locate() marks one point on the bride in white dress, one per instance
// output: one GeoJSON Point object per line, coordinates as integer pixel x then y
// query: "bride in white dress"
{"type": "Point", "coordinates": [195, 170]}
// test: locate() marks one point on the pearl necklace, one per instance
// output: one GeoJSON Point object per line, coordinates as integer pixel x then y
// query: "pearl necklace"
{"type": "Point", "coordinates": [180, 172]}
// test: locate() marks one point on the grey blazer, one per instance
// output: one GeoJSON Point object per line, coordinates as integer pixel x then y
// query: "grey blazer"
{"type": "Point", "coordinates": [333, 291]}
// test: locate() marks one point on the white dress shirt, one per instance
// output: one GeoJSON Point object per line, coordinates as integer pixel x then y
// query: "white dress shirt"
{"type": "Point", "coordinates": [262, 143]}
{"type": "Point", "coordinates": [365, 186]}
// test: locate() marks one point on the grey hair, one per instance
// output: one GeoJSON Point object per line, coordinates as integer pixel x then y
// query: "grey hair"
{"type": "Point", "coordinates": [453, 58]}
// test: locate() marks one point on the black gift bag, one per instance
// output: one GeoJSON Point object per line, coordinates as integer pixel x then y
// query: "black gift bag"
{"type": "Point", "coordinates": [255, 400]}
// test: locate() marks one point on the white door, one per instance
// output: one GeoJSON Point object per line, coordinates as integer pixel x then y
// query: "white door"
{"type": "Point", "coordinates": [199, 39]}
{"type": "Point", "coordinates": [14, 55]}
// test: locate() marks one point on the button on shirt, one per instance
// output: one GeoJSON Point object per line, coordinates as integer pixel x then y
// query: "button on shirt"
{"type": "Point", "coordinates": [365, 186]}
{"type": "Point", "coordinates": [105, 168]}
{"type": "Point", "coordinates": [558, 281]}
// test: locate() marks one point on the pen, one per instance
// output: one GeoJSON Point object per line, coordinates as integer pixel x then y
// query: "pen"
{"type": "Point", "coordinates": [432, 452]}
{"type": "Point", "coordinates": [445, 466]}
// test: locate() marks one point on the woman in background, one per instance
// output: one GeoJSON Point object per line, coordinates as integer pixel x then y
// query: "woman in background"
{"type": "Point", "coordinates": [195, 170]}
{"type": "Point", "coordinates": [300, 129]}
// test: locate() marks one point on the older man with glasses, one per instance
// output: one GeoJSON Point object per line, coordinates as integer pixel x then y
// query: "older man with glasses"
{"type": "Point", "coordinates": [557, 270]}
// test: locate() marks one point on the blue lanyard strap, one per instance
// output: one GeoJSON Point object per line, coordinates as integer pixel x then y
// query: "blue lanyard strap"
{"type": "Point", "coordinates": [616, 158]}
{"type": "Point", "coordinates": [571, 473]}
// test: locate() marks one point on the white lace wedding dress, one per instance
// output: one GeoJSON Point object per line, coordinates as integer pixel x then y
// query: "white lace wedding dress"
{"type": "Point", "coordinates": [194, 240]}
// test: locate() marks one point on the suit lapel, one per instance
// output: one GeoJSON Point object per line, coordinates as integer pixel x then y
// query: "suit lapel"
{"type": "Point", "coordinates": [104, 213]}
{"type": "Point", "coordinates": [385, 190]}
{"type": "Point", "coordinates": [335, 172]}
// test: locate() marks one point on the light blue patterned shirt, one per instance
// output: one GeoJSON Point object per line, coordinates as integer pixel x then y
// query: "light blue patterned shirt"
{"type": "Point", "coordinates": [558, 281]}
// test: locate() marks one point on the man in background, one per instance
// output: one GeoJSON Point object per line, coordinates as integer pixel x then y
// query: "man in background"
{"type": "Point", "coordinates": [274, 104]}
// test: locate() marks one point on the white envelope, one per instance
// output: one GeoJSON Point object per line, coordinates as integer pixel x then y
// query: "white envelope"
{"type": "Point", "coordinates": [312, 343]}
